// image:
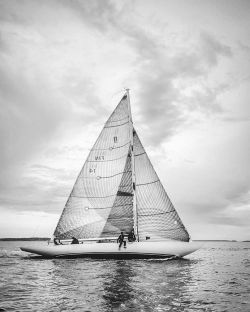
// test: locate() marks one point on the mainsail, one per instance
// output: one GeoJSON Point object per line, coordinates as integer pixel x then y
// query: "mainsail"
{"type": "Point", "coordinates": [100, 203]}
{"type": "Point", "coordinates": [118, 189]}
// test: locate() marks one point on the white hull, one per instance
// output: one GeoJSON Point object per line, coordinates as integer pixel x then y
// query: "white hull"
{"type": "Point", "coordinates": [105, 250]}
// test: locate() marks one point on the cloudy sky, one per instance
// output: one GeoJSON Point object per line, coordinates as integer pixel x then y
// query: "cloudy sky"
{"type": "Point", "coordinates": [63, 68]}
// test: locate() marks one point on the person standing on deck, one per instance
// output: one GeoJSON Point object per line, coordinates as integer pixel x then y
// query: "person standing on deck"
{"type": "Point", "coordinates": [121, 241]}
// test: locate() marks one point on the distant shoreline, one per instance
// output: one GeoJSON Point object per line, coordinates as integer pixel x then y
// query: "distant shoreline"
{"type": "Point", "coordinates": [221, 240]}
{"type": "Point", "coordinates": [8, 239]}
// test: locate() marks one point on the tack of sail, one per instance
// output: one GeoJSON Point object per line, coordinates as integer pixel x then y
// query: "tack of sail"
{"type": "Point", "coordinates": [119, 190]}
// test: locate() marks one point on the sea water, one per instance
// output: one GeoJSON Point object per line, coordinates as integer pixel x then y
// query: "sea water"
{"type": "Point", "coordinates": [214, 278]}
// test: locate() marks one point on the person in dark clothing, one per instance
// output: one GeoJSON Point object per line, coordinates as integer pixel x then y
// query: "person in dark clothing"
{"type": "Point", "coordinates": [131, 236]}
{"type": "Point", "coordinates": [74, 240]}
{"type": "Point", "coordinates": [57, 241]}
{"type": "Point", "coordinates": [121, 241]}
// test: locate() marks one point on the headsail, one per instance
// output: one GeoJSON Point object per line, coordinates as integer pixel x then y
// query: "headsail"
{"type": "Point", "coordinates": [156, 215]}
{"type": "Point", "coordinates": [101, 197]}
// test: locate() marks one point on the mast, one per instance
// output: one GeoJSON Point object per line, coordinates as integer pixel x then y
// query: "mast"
{"type": "Point", "coordinates": [133, 167]}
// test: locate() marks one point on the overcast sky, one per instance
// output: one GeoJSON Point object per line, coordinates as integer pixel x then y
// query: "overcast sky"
{"type": "Point", "coordinates": [63, 68]}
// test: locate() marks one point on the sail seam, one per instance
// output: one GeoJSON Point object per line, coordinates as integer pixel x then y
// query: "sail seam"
{"type": "Point", "coordinates": [110, 207]}
{"type": "Point", "coordinates": [114, 175]}
{"type": "Point", "coordinates": [118, 218]}
{"type": "Point", "coordinates": [148, 183]}
{"type": "Point", "coordinates": [139, 154]}
{"type": "Point", "coordinates": [93, 196]}
{"type": "Point", "coordinates": [116, 120]}
{"type": "Point", "coordinates": [155, 214]}
{"type": "Point", "coordinates": [165, 230]}
{"type": "Point", "coordinates": [100, 177]}
{"type": "Point", "coordinates": [125, 185]}
{"type": "Point", "coordinates": [117, 125]}
{"type": "Point", "coordinates": [110, 148]}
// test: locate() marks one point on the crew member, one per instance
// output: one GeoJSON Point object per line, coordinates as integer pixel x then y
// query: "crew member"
{"type": "Point", "coordinates": [121, 241]}
{"type": "Point", "coordinates": [131, 236]}
{"type": "Point", "coordinates": [57, 241]}
{"type": "Point", "coordinates": [74, 240]}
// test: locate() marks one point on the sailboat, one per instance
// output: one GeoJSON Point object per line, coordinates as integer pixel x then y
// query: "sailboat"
{"type": "Point", "coordinates": [117, 191]}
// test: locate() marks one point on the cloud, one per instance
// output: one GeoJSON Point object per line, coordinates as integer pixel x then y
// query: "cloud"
{"type": "Point", "coordinates": [231, 216]}
{"type": "Point", "coordinates": [98, 14]}
{"type": "Point", "coordinates": [212, 49]}
{"type": "Point", "coordinates": [161, 105]}
{"type": "Point", "coordinates": [43, 97]}
{"type": "Point", "coordinates": [161, 70]}
{"type": "Point", "coordinates": [244, 47]}
{"type": "Point", "coordinates": [28, 116]}
{"type": "Point", "coordinates": [3, 46]}
{"type": "Point", "coordinates": [41, 188]}
{"type": "Point", "coordinates": [165, 107]}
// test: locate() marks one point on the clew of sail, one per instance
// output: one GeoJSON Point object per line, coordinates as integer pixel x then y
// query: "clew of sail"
{"type": "Point", "coordinates": [101, 203]}
{"type": "Point", "coordinates": [156, 215]}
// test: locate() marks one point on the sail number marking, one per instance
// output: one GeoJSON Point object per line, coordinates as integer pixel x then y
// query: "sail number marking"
{"type": "Point", "coordinates": [99, 158]}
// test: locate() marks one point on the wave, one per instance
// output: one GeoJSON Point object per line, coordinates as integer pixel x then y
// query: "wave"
{"type": "Point", "coordinates": [5, 253]}
{"type": "Point", "coordinates": [163, 259]}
